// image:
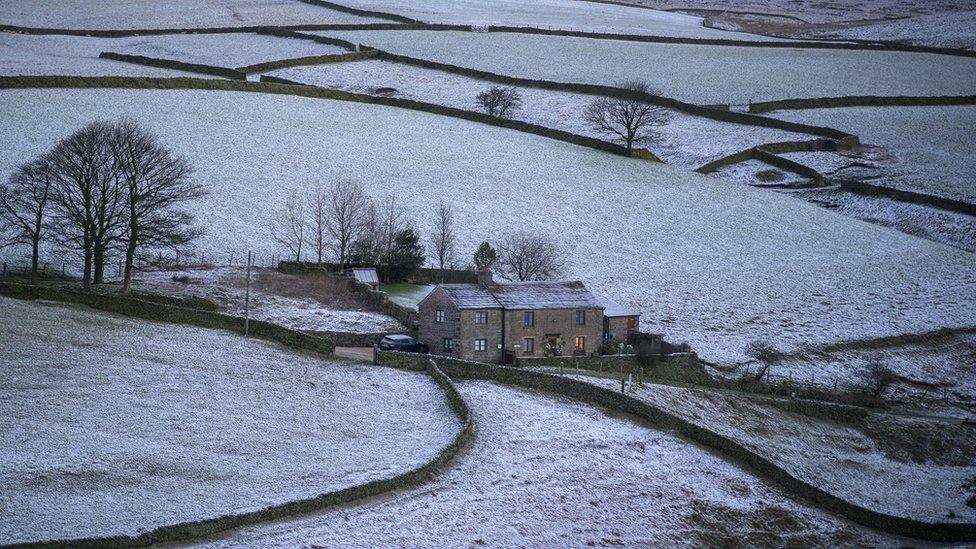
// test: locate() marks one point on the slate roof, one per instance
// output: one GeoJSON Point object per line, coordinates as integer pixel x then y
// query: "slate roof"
{"type": "Point", "coordinates": [523, 295]}
{"type": "Point", "coordinates": [471, 296]}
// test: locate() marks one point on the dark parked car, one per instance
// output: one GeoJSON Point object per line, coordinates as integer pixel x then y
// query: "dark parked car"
{"type": "Point", "coordinates": [403, 343]}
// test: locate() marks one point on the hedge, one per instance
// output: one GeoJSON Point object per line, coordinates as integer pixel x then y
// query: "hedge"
{"type": "Point", "coordinates": [732, 450]}
{"type": "Point", "coordinates": [861, 101]}
{"type": "Point", "coordinates": [177, 65]}
{"type": "Point", "coordinates": [309, 60]}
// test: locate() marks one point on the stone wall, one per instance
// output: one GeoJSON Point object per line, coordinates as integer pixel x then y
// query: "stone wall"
{"type": "Point", "coordinates": [561, 322]}
{"type": "Point", "coordinates": [432, 332]}
{"type": "Point", "coordinates": [471, 331]}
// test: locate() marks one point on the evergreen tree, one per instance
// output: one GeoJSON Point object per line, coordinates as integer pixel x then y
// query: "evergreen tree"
{"type": "Point", "coordinates": [484, 256]}
{"type": "Point", "coordinates": [406, 255]}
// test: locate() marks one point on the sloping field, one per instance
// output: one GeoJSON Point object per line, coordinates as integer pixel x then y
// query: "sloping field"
{"type": "Point", "coordinates": [43, 55]}
{"type": "Point", "coordinates": [110, 425]}
{"type": "Point", "coordinates": [151, 14]}
{"type": "Point", "coordinates": [694, 73]}
{"type": "Point", "coordinates": [932, 146]}
{"type": "Point", "coordinates": [596, 480]}
{"type": "Point", "coordinates": [712, 262]}
{"type": "Point", "coordinates": [683, 139]}
{"type": "Point", "coordinates": [553, 14]}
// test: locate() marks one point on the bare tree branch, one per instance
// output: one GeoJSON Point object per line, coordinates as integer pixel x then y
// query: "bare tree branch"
{"type": "Point", "coordinates": [444, 239]}
{"type": "Point", "coordinates": [528, 256]}
{"type": "Point", "coordinates": [25, 206]}
{"type": "Point", "coordinates": [347, 216]}
{"type": "Point", "coordinates": [288, 225]}
{"type": "Point", "coordinates": [630, 120]}
{"type": "Point", "coordinates": [499, 102]}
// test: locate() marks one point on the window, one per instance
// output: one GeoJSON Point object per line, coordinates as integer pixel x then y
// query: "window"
{"type": "Point", "coordinates": [579, 344]}
{"type": "Point", "coordinates": [529, 318]}
{"type": "Point", "coordinates": [439, 316]}
{"type": "Point", "coordinates": [580, 318]}
{"type": "Point", "coordinates": [528, 345]}
{"type": "Point", "coordinates": [481, 345]}
{"type": "Point", "coordinates": [481, 317]}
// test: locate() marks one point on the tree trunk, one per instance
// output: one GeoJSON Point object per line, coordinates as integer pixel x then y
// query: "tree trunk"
{"type": "Point", "coordinates": [86, 280]}
{"type": "Point", "coordinates": [98, 260]}
{"type": "Point", "coordinates": [35, 259]}
{"type": "Point", "coordinates": [130, 255]}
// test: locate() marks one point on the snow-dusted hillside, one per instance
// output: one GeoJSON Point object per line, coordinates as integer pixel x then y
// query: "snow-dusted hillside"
{"type": "Point", "coordinates": [151, 14]}
{"type": "Point", "coordinates": [695, 73]}
{"type": "Point", "coordinates": [681, 140]}
{"type": "Point", "coordinates": [705, 260]}
{"type": "Point", "coordinates": [110, 425]}
{"type": "Point", "coordinates": [547, 472]}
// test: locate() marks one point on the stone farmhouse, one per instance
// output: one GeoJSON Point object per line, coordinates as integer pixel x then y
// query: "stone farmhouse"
{"type": "Point", "coordinates": [495, 322]}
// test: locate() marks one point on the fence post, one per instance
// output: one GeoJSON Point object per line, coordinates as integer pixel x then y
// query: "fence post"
{"type": "Point", "coordinates": [247, 298]}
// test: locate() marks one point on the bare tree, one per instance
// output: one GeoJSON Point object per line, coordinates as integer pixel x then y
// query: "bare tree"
{"type": "Point", "coordinates": [348, 214]}
{"type": "Point", "coordinates": [156, 182]}
{"type": "Point", "coordinates": [499, 102]}
{"type": "Point", "coordinates": [25, 206]}
{"type": "Point", "coordinates": [875, 378]}
{"type": "Point", "coordinates": [90, 200]}
{"type": "Point", "coordinates": [632, 120]}
{"type": "Point", "coordinates": [288, 225]}
{"type": "Point", "coordinates": [529, 256]}
{"type": "Point", "coordinates": [765, 353]}
{"type": "Point", "coordinates": [319, 206]}
{"type": "Point", "coordinates": [443, 240]}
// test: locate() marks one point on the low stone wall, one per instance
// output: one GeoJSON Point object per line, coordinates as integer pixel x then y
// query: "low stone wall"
{"type": "Point", "coordinates": [732, 450]}
{"type": "Point", "coordinates": [351, 339]}
{"type": "Point", "coordinates": [176, 65]}
{"type": "Point", "coordinates": [309, 60]}
{"type": "Point", "coordinates": [149, 310]}
{"type": "Point", "coordinates": [861, 101]}
{"type": "Point", "coordinates": [599, 363]}
{"type": "Point", "coordinates": [860, 187]}
{"type": "Point", "coordinates": [766, 153]}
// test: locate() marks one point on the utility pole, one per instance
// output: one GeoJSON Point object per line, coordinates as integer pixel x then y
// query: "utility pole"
{"type": "Point", "coordinates": [247, 298]}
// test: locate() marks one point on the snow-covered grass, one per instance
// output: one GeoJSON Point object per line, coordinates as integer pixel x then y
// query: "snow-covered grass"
{"type": "Point", "coordinates": [547, 472]}
{"type": "Point", "coordinates": [681, 140]}
{"type": "Point", "coordinates": [695, 73]}
{"type": "Point", "coordinates": [954, 229]}
{"type": "Point", "coordinates": [110, 425]}
{"type": "Point", "coordinates": [407, 295]}
{"type": "Point", "coordinates": [932, 147]}
{"type": "Point", "coordinates": [943, 30]}
{"type": "Point", "coordinates": [25, 54]}
{"type": "Point", "coordinates": [275, 297]}
{"type": "Point", "coordinates": [715, 263]}
{"type": "Point", "coordinates": [223, 49]}
{"type": "Point", "coordinates": [909, 467]}
{"type": "Point", "coordinates": [184, 14]}
{"type": "Point", "coordinates": [553, 14]}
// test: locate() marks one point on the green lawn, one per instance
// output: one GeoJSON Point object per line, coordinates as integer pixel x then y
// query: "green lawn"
{"type": "Point", "coordinates": [407, 295]}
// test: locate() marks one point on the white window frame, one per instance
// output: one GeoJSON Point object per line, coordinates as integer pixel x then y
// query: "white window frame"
{"type": "Point", "coordinates": [481, 345]}
{"type": "Point", "coordinates": [525, 318]}
{"type": "Point", "coordinates": [481, 317]}
{"type": "Point", "coordinates": [448, 344]}
{"type": "Point", "coordinates": [439, 316]}
{"type": "Point", "coordinates": [528, 342]}
{"type": "Point", "coordinates": [581, 315]}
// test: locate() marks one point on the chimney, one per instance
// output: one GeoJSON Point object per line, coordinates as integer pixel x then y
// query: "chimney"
{"type": "Point", "coordinates": [485, 278]}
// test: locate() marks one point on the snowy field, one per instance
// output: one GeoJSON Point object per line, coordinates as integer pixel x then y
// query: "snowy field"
{"type": "Point", "coordinates": [681, 143]}
{"type": "Point", "coordinates": [913, 468]}
{"type": "Point", "coordinates": [45, 55]}
{"type": "Point", "coordinates": [955, 229]}
{"type": "Point", "coordinates": [110, 425]}
{"type": "Point", "coordinates": [694, 73]}
{"type": "Point", "coordinates": [596, 480]}
{"type": "Point", "coordinates": [184, 14]}
{"type": "Point", "coordinates": [226, 286]}
{"type": "Point", "coordinates": [943, 30]}
{"type": "Point", "coordinates": [223, 50]}
{"type": "Point", "coordinates": [715, 263]}
{"type": "Point", "coordinates": [553, 14]}
{"type": "Point", "coordinates": [931, 147]}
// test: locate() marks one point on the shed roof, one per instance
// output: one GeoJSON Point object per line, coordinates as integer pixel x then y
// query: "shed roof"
{"type": "Point", "coordinates": [613, 309]}
{"type": "Point", "coordinates": [366, 275]}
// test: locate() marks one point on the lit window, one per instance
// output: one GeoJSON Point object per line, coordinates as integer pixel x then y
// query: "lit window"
{"type": "Point", "coordinates": [481, 345]}
{"type": "Point", "coordinates": [579, 344]}
{"type": "Point", "coordinates": [529, 345]}
{"type": "Point", "coordinates": [580, 318]}
{"type": "Point", "coordinates": [439, 316]}
{"type": "Point", "coordinates": [481, 317]}
{"type": "Point", "coordinates": [529, 318]}
{"type": "Point", "coordinates": [448, 344]}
